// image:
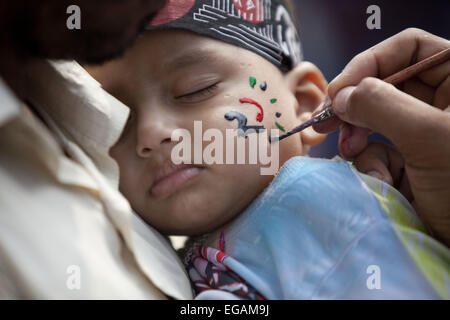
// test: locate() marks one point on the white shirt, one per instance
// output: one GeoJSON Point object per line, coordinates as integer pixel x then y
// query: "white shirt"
{"type": "Point", "coordinates": [65, 230]}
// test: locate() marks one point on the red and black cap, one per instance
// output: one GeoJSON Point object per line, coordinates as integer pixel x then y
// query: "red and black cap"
{"type": "Point", "coordinates": [264, 27]}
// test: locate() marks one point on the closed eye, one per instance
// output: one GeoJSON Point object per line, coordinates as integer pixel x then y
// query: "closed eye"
{"type": "Point", "coordinates": [199, 94]}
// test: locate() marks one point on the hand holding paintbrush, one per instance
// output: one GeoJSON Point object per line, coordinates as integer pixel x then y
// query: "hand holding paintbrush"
{"type": "Point", "coordinates": [416, 119]}
{"type": "Point", "coordinates": [395, 79]}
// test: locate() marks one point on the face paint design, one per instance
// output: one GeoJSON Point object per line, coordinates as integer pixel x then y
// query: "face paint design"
{"type": "Point", "coordinates": [263, 86]}
{"type": "Point", "coordinates": [252, 82]}
{"type": "Point", "coordinates": [260, 115]}
{"type": "Point", "coordinates": [242, 123]}
{"type": "Point", "coordinates": [242, 120]}
{"type": "Point", "coordinates": [280, 127]}
{"type": "Point", "coordinates": [277, 124]}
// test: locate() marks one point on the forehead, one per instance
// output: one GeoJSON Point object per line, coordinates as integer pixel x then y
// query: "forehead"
{"type": "Point", "coordinates": [175, 49]}
{"type": "Point", "coordinates": [158, 54]}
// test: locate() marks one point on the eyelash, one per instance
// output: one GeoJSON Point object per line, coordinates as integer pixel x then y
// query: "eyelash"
{"type": "Point", "coordinates": [199, 93]}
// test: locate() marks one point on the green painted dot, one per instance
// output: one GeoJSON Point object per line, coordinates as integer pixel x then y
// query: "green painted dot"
{"type": "Point", "coordinates": [252, 82]}
{"type": "Point", "coordinates": [273, 100]}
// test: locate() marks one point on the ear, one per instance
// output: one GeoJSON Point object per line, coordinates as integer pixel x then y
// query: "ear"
{"type": "Point", "coordinates": [308, 86]}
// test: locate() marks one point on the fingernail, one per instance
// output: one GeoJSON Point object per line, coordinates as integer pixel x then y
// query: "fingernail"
{"type": "Point", "coordinates": [341, 100]}
{"type": "Point", "coordinates": [336, 79]}
{"type": "Point", "coordinates": [319, 108]}
{"type": "Point", "coordinates": [375, 174]}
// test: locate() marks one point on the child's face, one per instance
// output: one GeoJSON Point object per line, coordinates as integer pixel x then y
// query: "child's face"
{"type": "Point", "coordinates": [170, 79]}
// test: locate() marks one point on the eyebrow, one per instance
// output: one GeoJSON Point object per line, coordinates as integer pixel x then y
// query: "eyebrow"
{"type": "Point", "coordinates": [193, 57]}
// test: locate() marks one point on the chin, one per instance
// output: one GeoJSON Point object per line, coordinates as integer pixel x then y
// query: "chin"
{"type": "Point", "coordinates": [193, 219]}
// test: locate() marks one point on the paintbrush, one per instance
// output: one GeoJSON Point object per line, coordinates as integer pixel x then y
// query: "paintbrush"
{"type": "Point", "coordinates": [395, 79]}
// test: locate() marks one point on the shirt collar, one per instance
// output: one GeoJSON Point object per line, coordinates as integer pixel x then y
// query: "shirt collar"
{"type": "Point", "coordinates": [82, 110]}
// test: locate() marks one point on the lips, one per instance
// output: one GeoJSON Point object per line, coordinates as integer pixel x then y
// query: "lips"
{"type": "Point", "coordinates": [170, 177]}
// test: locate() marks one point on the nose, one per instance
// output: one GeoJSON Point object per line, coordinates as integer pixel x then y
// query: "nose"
{"type": "Point", "coordinates": [152, 136]}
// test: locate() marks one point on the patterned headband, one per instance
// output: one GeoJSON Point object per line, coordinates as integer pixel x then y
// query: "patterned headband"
{"type": "Point", "coordinates": [264, 27]}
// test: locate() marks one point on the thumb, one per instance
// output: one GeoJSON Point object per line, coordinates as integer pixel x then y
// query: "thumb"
{"type": "Point", "coordinates": [380, 107]}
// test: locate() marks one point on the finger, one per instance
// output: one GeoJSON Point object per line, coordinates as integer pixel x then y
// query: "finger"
{"type": "Point", "coordinates": [419, 90]}
{"type": "Point", "coordinates": [408, 122]}
{"type": "Point", "coordinates": [374, 161]}
{"type": "Point", "coordinates": [393, 55]}
{"type": "Point", "coordinates": [384, 159]}
{"type": "Point", "coordinates": [352, 140]}
{"type": "Point", "coordinates": [442, 95]}
{"type": "Point", "coordinates": [405, 188]}
{"type": "Point", "coordinates": [385, 163]}
{"type": "Point", "coordinates": [327, 126]}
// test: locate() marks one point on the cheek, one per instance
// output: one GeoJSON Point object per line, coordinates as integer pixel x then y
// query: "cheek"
{"type": "Point", "coordinates": [122, 156]}
{"type": "Point", "coordinates": [129, 183]}
{"type": "Point", "coordinates": [283, 117]}
{"type": "Point", "coordinates": [242, 182]}
{"type": "Point", "coordinates": [213, 117]}
{"type": "Point", "coordinates": [208, 204]}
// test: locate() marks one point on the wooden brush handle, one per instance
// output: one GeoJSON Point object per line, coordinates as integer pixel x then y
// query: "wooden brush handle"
{"type": "Point", "coordinates": [419, 67]}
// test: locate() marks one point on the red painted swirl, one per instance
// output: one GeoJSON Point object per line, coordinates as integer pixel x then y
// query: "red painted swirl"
{"type": "Point", "coordinates": [260, 115]}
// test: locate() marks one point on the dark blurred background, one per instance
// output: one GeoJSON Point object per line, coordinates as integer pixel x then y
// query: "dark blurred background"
{"type": "Point", "coordinates": [333, 32]}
